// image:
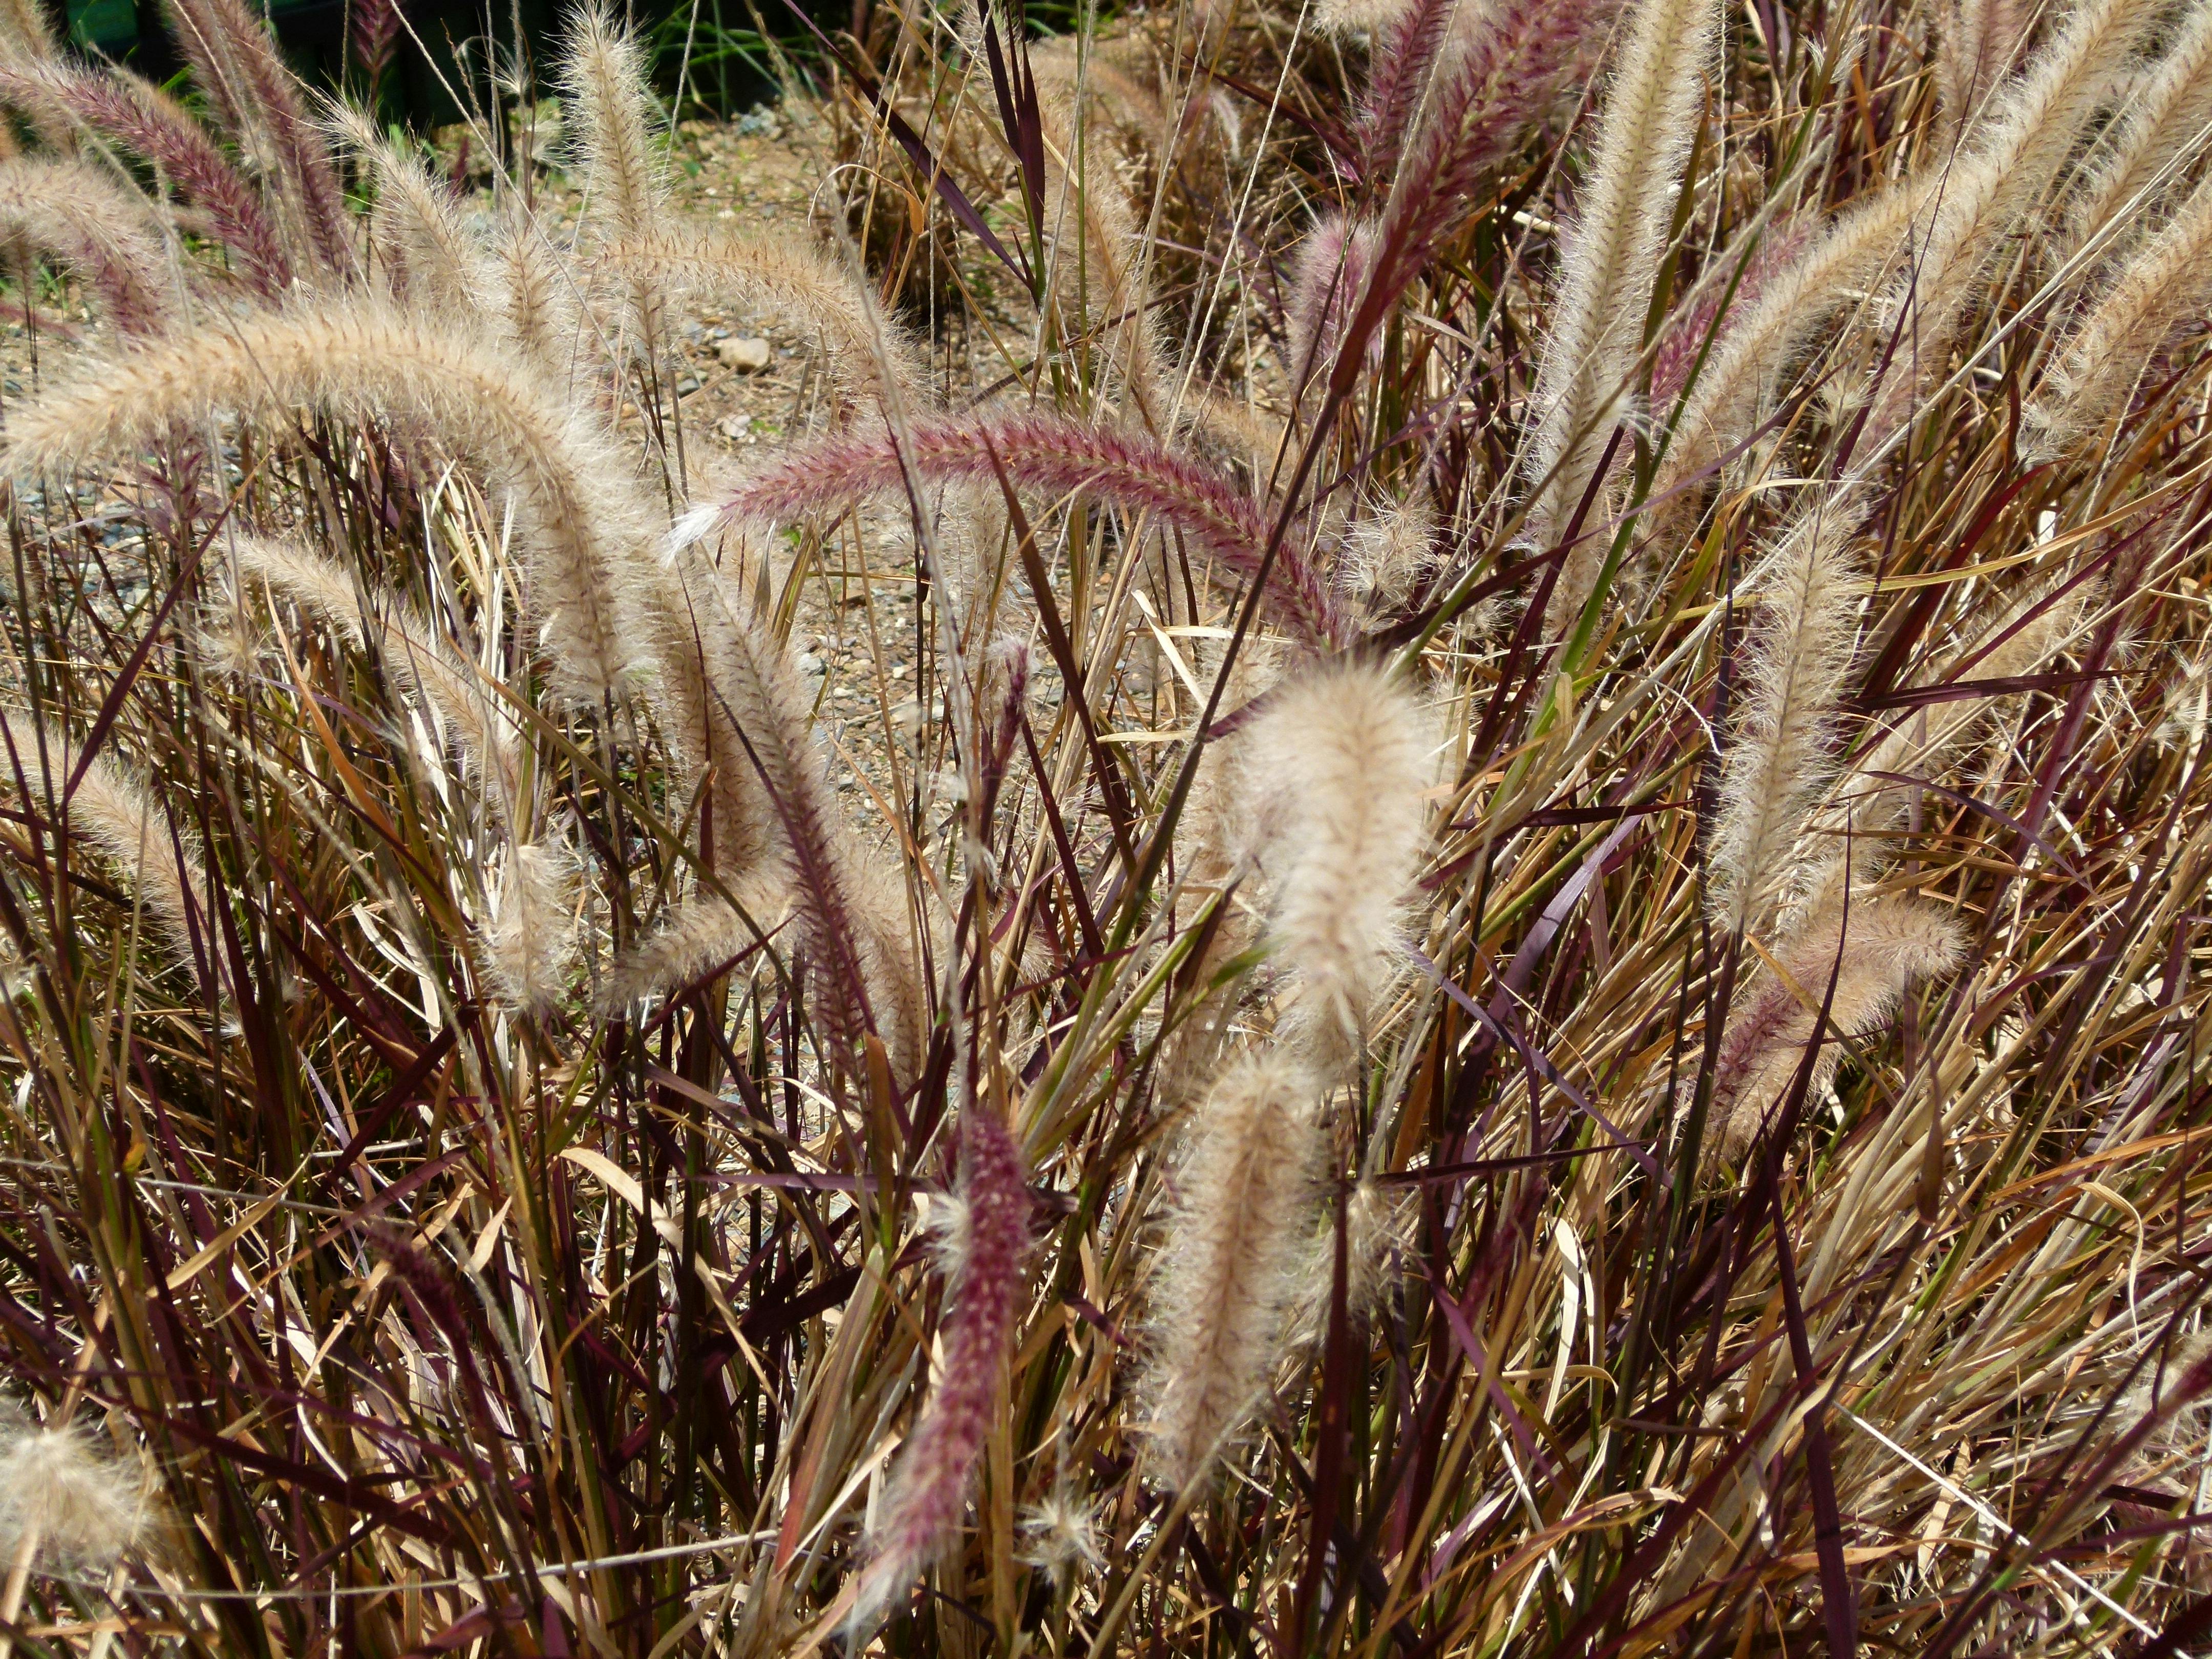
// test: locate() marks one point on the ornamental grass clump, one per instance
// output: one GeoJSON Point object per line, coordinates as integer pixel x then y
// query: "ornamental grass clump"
{"type": "Point", "coordinates": [1417, 867]}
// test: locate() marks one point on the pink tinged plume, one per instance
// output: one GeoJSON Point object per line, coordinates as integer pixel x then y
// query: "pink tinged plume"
{"type": "Point", "coordinates": [988, 1251]}
{"type": "Point", "coordinates": [1331, 273]}
{"type": "Point", "coordinates": [1405, 51]}
{"type": "Point", "coordinates": [1048, 451]}
{"type": "Point", "coordinates": [1685, 333]}
{"type": "Point", "coordinates": [1859, 975]}
{"type": "Point", "coordinates": [1492, 77]}
{"type": "Point", "coordinates": [146, 120]}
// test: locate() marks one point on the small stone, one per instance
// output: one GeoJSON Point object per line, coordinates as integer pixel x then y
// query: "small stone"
{"type": "Point", "coordinates": [748, 354]}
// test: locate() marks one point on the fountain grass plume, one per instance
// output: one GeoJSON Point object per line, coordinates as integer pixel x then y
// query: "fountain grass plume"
{"type": "Point", "coordinates": [1501, 68]}
{"type": "Point", "coordinates": [581, 523]}
{"type": "Point", "coordinates": [792, 280]}
{"type": "Point", "coordinates": [263, 100]}
{"type": "Point", "coordinates": [66, 1504]}
{"type": "Point", "coordinates": [2097, 367]}
{"type": "Point", "coordinates": [693, 623]}
{"type": "Point", "coordinates": [25, 30]}
{"type": "Point", "coordinates": [1404, 56]}
{"type": "Point", "coordinates": [1338, 767]}
{"type": "Point", "coordinates": [484, 734]}
{"type": "Point", "coordinates": [431, 259]}
{"type": "Point", "coordinates": [986, 1253]}
{"type": "Point", "coordinates": [1875, 950]}
{"type": "Point", "coordinates": [1653, 106]}
{"type": "Point", "coordinates": [78, 214]}
{"type": "Point", "coordinates": [1781, 760]}
{"type": "Point", "coordinates": [698, 937]}
{"type": "Point", "coordinates": [1330, 273]}
{"type": "Point", "coordinates": [2033, 133]}
{"type": "Point", "coordinates": [1834, 921]}
{"type": "Point", "coordinates": [1977, 43]}
{"type": "Point", "coordinates": [1135, 471]}
{"type": "Point", "coordinates": [602, 73]}
{"type": "Point", "coordinates": [753, 722]}
{"type": "Point", "coordinates": [529, 941]}
{"type": "Point", "coordinates": [1501, 71]}
{"type": "Point", "coordinates": [1066, 69]}
{"type": "Point", "coordinates": [2155, 131]}
{"type": "Point", "coordinates": [1689, 328]}
{"type": "Point", "coordinates": [1949, 218]}
{"type": "Point", "coordinates": [1388, 549]}
{"type": "Point", "coordinates": [322, 588]}
{"type": "Point", "coordinates": [1233, 1263]}
{"type": "Point", "coordinates": [1759, 343]}
{"type": "Point", "coordinates": [219, 80]}
{"type": "Point", "coordinates": [114, 810]}
{"type": "Point", "coordinates": [1098, 278]}
{"type": "Point", "coordinates": [121, 107]}
{"type": "Point", "coordinates": [1357, 17]}
{"type": "Point", "coordinates": [536, 296]}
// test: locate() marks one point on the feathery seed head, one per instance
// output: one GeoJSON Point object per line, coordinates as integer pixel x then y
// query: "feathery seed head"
{"type": "Point", "coordinates": [114, 811]}
{"type": "Point", "coordinates": [695, 938]}
{"type": "Point", "coordinates": [1652, 110]}
{"type": "Point", "coordinates": [794, 282]}
{"type": "Point", "coordinates": [1331, 273]}
{"type": "Point", "coordinates": [430, 258]}
{"type": "Point", "coordinates": [1062, 1534]}
{"type": "Point", "coordinates": [1133, 470]}
{"type": "Point", "coordinates": [929, 1487]}
{"type": "Point", "coordinates": [2156, 130]}
{"type": "Point", "coordinates": [75, 1508]}
{"type": "Point", "coordinates": [1781, 758]}
{"type": "Point", "coordinates": [1337, 768]}
{"type": "Point", "coordinates": [1874, 954]}
{"type": "Point", "coordinates": [2165, 280]}
{"type": "Point", "coordinates": [603, 74]}
{"type": "Point", "coordinates": [580, 523]}
{"type": "Point", "coordinates": [121, 107]}
{"type": "Point", "coordinates": [1387, 551]}
{"type": "Point", "coordinates": [79, 214]}
{"type": "Point", "coordinates": [1977, 42]}
{"type": "Point", "coordinates": [529, 941]}
{"type": "Point", "coordinates": [1235, 1263]}
{"type": "Point", "coordinates": [2158, 1387]}
{"type": "Point", "coordinates": [260, 101]}
{"type": "Point", "coordinates": [1355, 18]}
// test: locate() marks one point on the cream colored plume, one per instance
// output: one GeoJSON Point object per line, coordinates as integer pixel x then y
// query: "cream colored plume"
{"type": "Point", "coordinates": [794, 282]}
{"type": "Point", "coordinates": [1233, 1265]}
{"type": "Point", "coordinates": [113, 810]}
{"type": "Point", "coordinates": [584, 531]}
{"type": "Point", "coordinates": [1652, 110]}
{"type": "Point", "coordinates": [66, 1504]}
{"type": "Point", "coordinates": [1337, 768]}
{"type": "Point", "coordinates": [1779, 762]}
